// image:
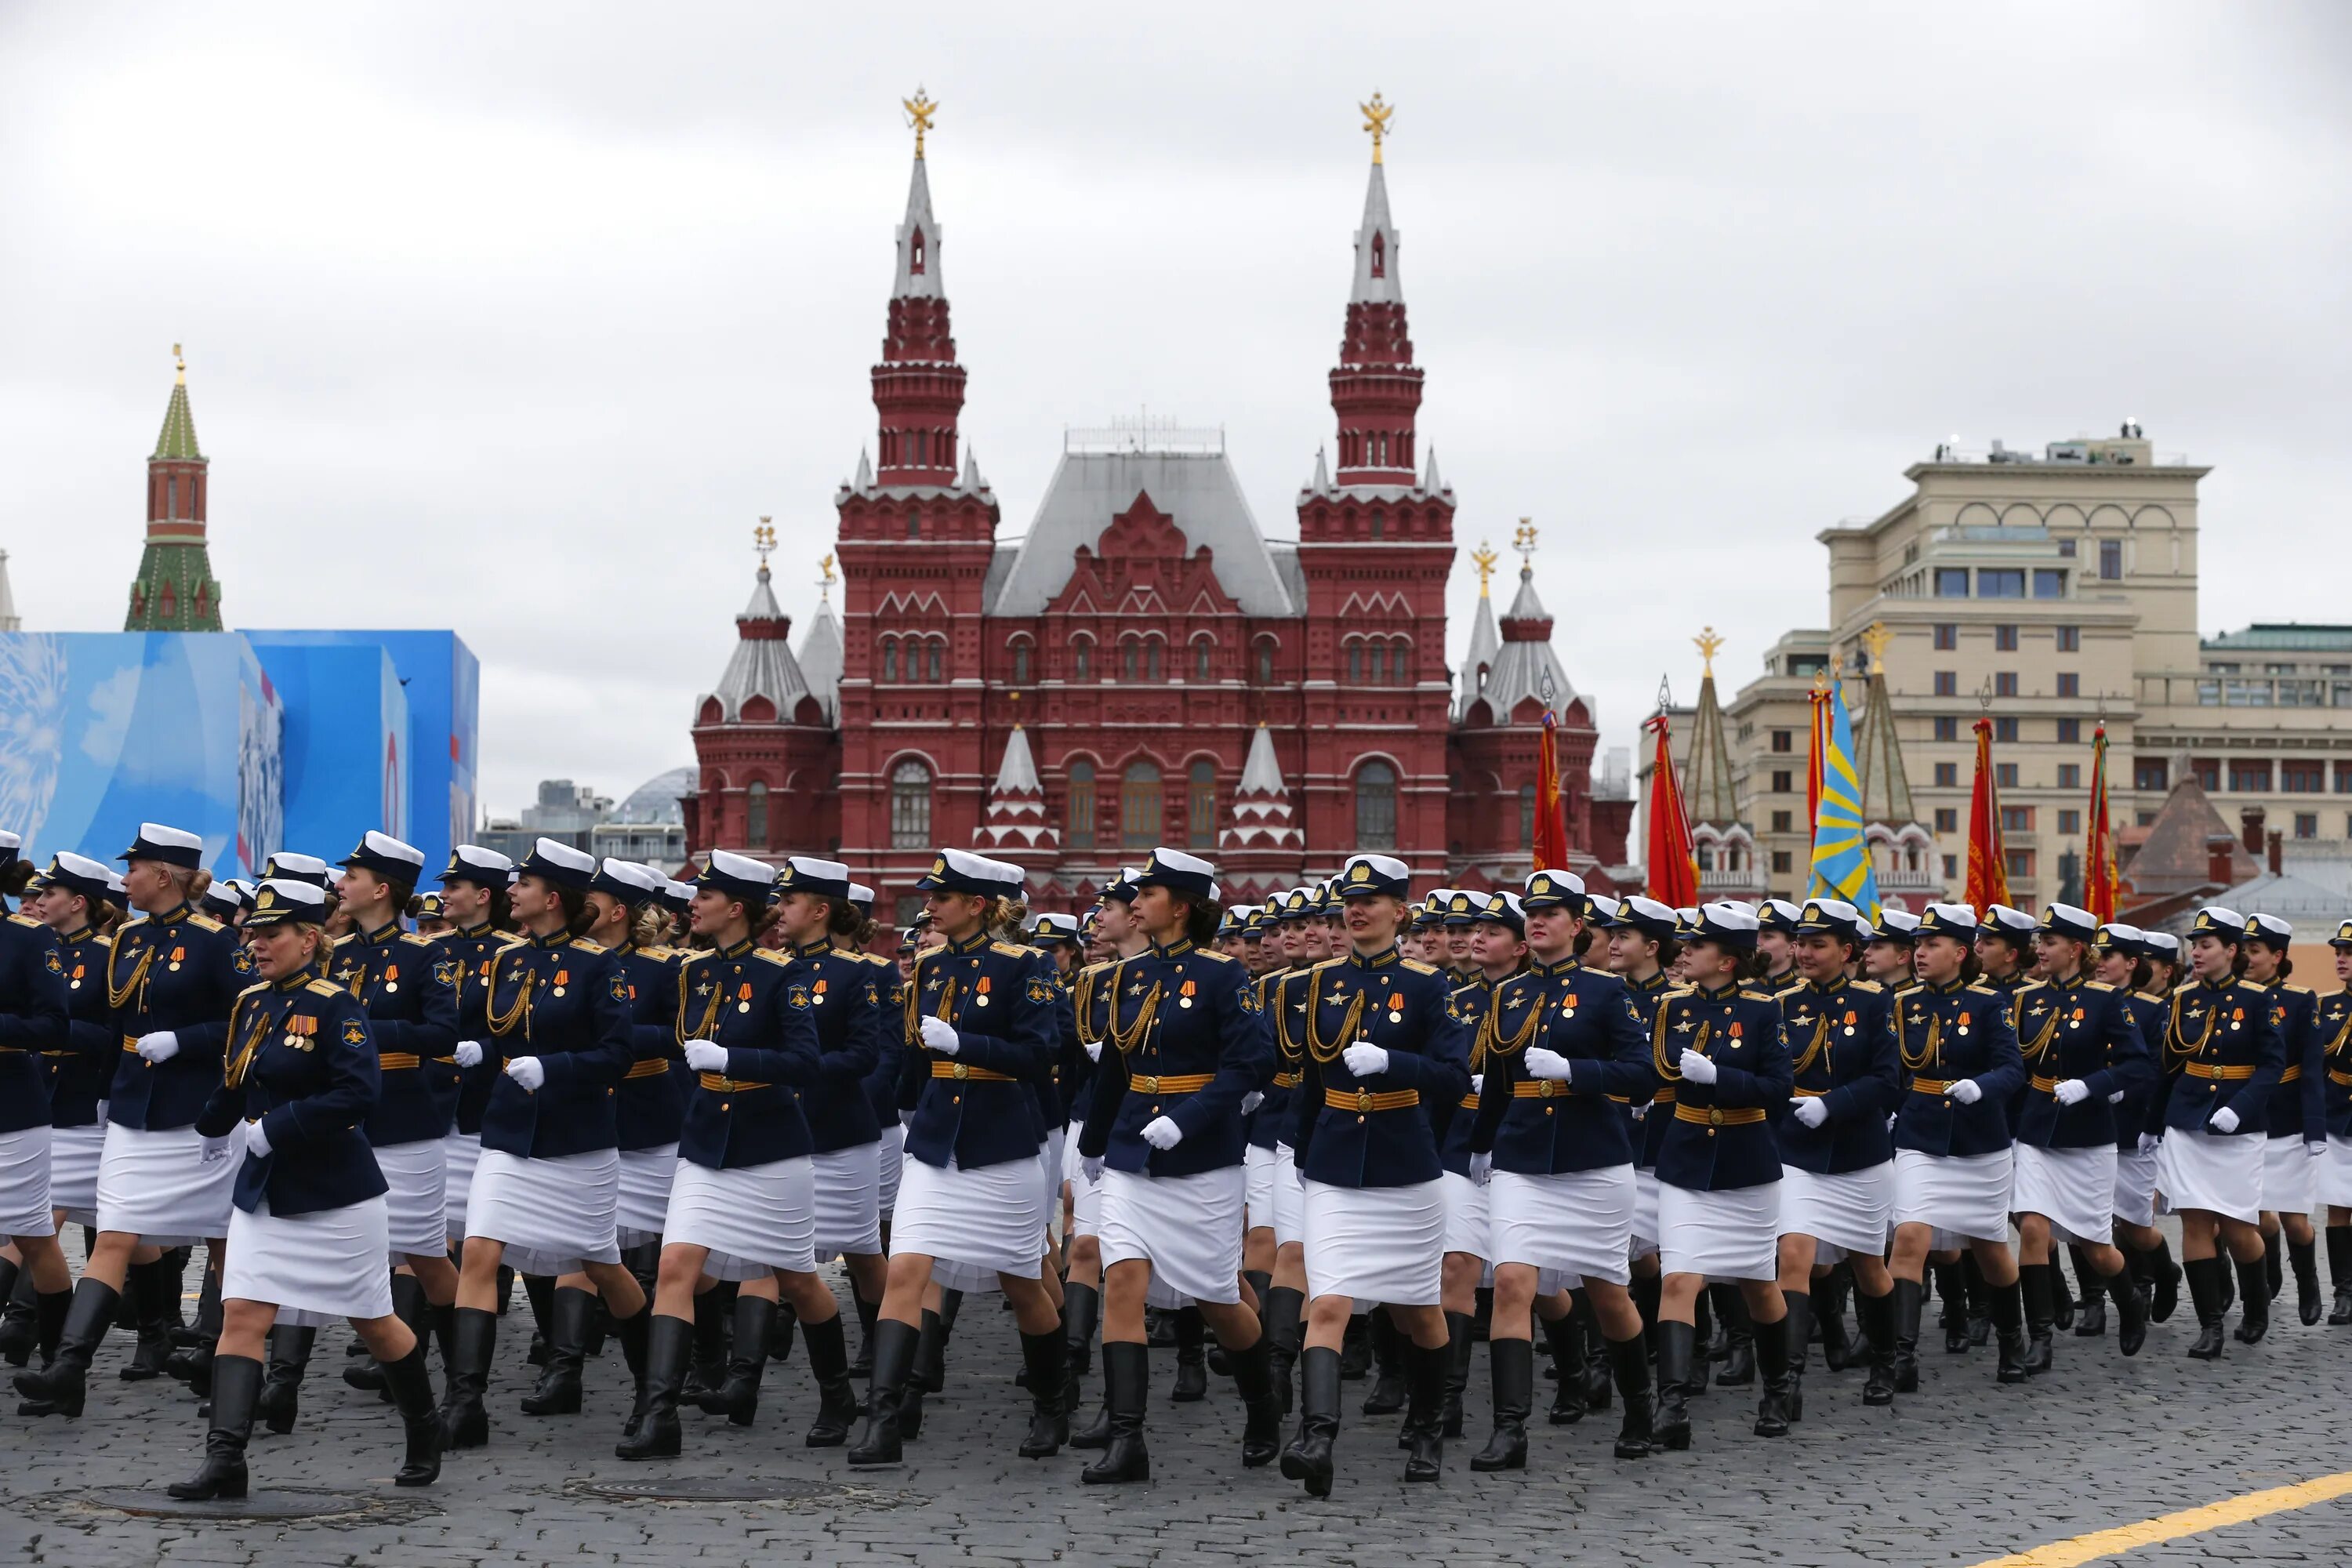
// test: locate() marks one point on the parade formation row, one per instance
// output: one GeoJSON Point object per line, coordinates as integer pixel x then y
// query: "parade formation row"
{"type": "Point", "coordinates": [1344, 1128]}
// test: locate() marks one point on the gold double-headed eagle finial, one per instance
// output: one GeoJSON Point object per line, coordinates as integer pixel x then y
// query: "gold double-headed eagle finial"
{"type": "Point", "coordinates": [1377, 115]}
{"type": "Point", "coordinates": [920, 110]}
{"type": "Point", "coordinates": [1524, 540]}
{"type": "Point", "coordinates": [1706, 643]}
{"type": "Point", "coordinates": [180, 362]}
{"type": "Point", "coordinates": [824, 582]}
{"type": "Point", "coordinates": [763, 540]}
{"type": "Point", "coordinates": [1876, 637]}
{"type": "Point", "coordinates": [1484, 558]}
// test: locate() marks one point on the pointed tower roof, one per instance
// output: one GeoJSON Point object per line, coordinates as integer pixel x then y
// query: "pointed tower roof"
{"type": "Point", "coordinates": [1378, 280]}
{"type": "Point", "coordinates": [1707, 778]}
{"type": "Point", "coordinates": [762, 667]}
{"type": "Point", "coordinates": [1430, 483]}
{"type": "Point", "coordinates": [919, 232]}
{"type": "Point", "coordinates": [1262, 811]}
{"type": "Point", "coordinates": [1015, 822]}
{"type": "Point", "coordinates": [175, 590]}
{"type": "Point", "coordinates": [1524, 666]}
{"type": "Point", "coordinates": [1486, 644]}
{"type": "Point", "coordinates": [177, 442]}
{"type": "Point", "coordinates": [820, 659]}
{"type": "Point", "coordinates": [1261, 774]}
{"type": "Point", "coordinates": [1885, 786]}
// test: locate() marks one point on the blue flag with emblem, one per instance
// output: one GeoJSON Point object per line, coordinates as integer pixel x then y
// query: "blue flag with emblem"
{"type": "Point", "coordinates": [1841, 867]}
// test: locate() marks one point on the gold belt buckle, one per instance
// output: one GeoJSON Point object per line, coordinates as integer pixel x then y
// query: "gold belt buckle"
{"type": "Point", "coordinates": [1147, 1084]}
{"type": "Point", "coordinates": [1363, 1099]}
{"type": "Point", "coordinates": [962, 1071]}
{"type": "Point", "coordinates": [1716, 1116]}
{"type": "Point", "coordinates": [1547, 1088]}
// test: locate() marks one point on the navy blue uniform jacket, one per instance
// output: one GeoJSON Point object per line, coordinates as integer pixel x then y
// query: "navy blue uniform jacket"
{"type": "Point", "coordinates": [179, 972]}
{"type": "Point", "coordinates": [1188, 1042]}
{"type": "Point", "coordinates": [302, 1065]}
{"type": "Point", "coordinates": [1376, 1133]}
{"type": "Point", "coordinates": [572, 1011]}
{"type": "Point", "coordinates": [1842, 1051]}
{"type": "Point", "coordinates": [1949, 1033]}
{"type": "Point", "coordinates": [977, 1107]}
{"type": "Point", "coordinates": [1719, 1137]}
{"type": "Point", "coordinates": [1548, 1128]}
{"type": "Point", "coordinates": [408, 986]}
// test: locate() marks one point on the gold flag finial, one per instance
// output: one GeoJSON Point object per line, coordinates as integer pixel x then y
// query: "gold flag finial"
{"type": "Point", "coordinates": [1876, 637]}
{"type": "Point", "coordinates": [824, 582]}
{"type": "Point", "coordinates": [1524, 540]}
{"type": "Point", "coordinates": [1484, 558]}
{"type": "Point", "coordinates": [764, 539]}
{"type": "Point", "coordinates": [1377, 115]}
{"type": "Point", "coordinates": [920, 110]}
{"type": "Point", "coordinates": [180, 362]}
{"type": "Point", "coordinates": [1707, 642]}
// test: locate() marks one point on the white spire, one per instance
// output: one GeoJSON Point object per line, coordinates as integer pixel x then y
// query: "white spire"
{"type": "Point", "coordinates": [1431, 484]}
{"type": "Point", "coordinates": [1261, 774]}
{"type": "Point", "coordinates": [919, 244]}
{"type": "Point", "coordinates": [1261, 814]}
{"type": "Point", "coordinates": [1322, 485]}
{"type": "Point", "coordinates": [1376, 244]}
{"type": "Point", "coordinates": [1486, 644]}
{"type": "Point", "coordinates": [865, 471]}
{"type": "Point", "coordinates": [1017, 775]}
{"type": "Point", "coordinates": [970, 469]}
{"type": "Point", "coordinates": [1015, 821]}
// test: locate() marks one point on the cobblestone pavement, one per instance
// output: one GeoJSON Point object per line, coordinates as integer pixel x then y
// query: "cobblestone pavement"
{"type": "Point", "coordinates": [1964, 1471]}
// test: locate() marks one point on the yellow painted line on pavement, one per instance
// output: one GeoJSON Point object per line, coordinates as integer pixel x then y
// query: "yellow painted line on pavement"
{"type": "Point", "coordinates": [2081, 1549]}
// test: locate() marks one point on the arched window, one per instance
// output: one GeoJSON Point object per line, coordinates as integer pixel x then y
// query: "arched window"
{"type": "Point", "coordinates": [1151, 654]}
{"type": "Point", "coordinates": [1201, 805]}
{"type": "Point", "coordinates": [1706, 857]}
{"type": "Point", "coordinates": [1379, 523]}
{"type": "Point", "coordinates": [1376, 806]}
{"type": "Point", "coordinates": [1527, 817]}
{"type": "Point", "coordinates": [1138, 806]}
{"type": "Point", "coordinates": [914, 253]}
{"type": "Point", "coordinates": [1380, 253]}
{"type": "Point", "coordinates": [1020, 663]}
{"type": "Point", "coordinates": [938, 653]}
{"type": "Point", "coordinates": [1082, 659]}
{"type": "Point", "coordinates": [1265, 662]}
{"type": "Point", "coordinates": [1400, 662]}
{"type": "Point", "coordinates": [1376, 661]}
{"type": "Point", "coordinates": [755, 816]}
{"type": "Point", "coordinates": [890, 659]}
{"type": "Point", "coordinates": [910, 806]}
{"type": "Point", "coordinates": [1130, 660]}
{"type": "Point", "coordinates": [914, 522]}
{"type": "Point", "coordinates": [1082, 805]}
{"type": "Point", "coordinates": [1355, 663]}
{"type": "Point", "coordinates": [1201, 660]}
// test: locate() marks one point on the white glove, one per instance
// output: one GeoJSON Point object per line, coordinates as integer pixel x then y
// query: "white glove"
{"type": "Point", "coordinates": [1365, 1061]}
{"type": "Point", "coordinates": [2074, 1091]}
{"type": "Point", "coordinates": [1093, 1050]}
{"type": "Point", "coordinates": [1163, 1133]}
{"type": "Point", "coordinates": [1481, 1169]}
{"type": "Point", "coordinates": [159, 1046]}
{"type": "Point", "coordinates": [256, 1141]}
{"type": "Point", "coordinates": [940, 1036]}
{"type": "Point", "coordinates": [706, 1056]}
{"type": "Point", "coordinates": [1477, 1083]}
{"type": "Point", "coordinates": [1966, 1091]}
{"type": "Point", "coordinates": [1696, 1067]}
{"type": "Point", "coordinates": [1812, 1109]}
{"type": "Point", "coordinates": [1546, 1063]}
{"type": "Point", "coordinates": [1642, 1111]}
{"type": "Point", "coordinates": [2148, 1140]}
{"type": "Point", "coordinates": [2117, 1097]}
{"type": "Point", "coordinates": [1251, 1101]}
{"type": "Point", "coordinates": [2315, 1149]}
{"type": "Point", "coordinates": [527, 1072]}
{"type": "Point", "coordinates": [215, 1150]}
{"type": "Point", "coordinates": [468, 1053]}
{"type": "Point", "coordinates": [2223, 1121]}
{"type": "Point", "coordinates": [1092, 1165]}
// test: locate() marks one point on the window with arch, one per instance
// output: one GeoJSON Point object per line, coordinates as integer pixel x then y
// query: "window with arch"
{"type": "Point", "coordinates": [914, 522]}
{"type": "Point", "coordinates": [1138, 806]}
{"type": "Point", "coordinates": [1401, 661]}
{"type": "Point", "coordinates": [1265, 662]}
{"type": "Point", "coordinates": [1200, 655]}
{"type": "Point", "coordinates": [890, 659]}
{"type": "Point", "coordinates": [910, 806]}
{"type": "Point", "coordinates": [1376, 806]}
{"type": "Point", "coordinates": [914, 253]}
{"type": "Point", "coordinates": [937, 656]}
{"type": "Point", "coordinates": [1201, 805]}
{"type": "Point", "coordinates": [1082, 659]}
{"type": "Point", "coordinates": [1527, 817]}
{"type": "Point", "coordinates": [1376, 662]}
{"type": "Point", "coordinates": [1019, 662]}
{"type": "Point", "coordinates": [1379, 523]}
{"type": "Point", "coordinates": [1081, 810]}
{"type": "Point", "coordinates": [755, 816]}
{"type": "Point", "coordinates": [1355, 663]}
{"type": "Point", "coordinates": [1380, 254]}
{"type": "Point", "coordinates": [1131, 659]}
{"type": "Point", "coordinates": [1152, 659]}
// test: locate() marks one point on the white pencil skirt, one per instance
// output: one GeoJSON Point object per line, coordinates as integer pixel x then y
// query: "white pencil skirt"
{"type": "Point", "coordinates": [1578, 1222]}
{"type": "Point", "coordinates": [890, 1160]}
{"type": "Point", "coordinates": [2135, 1196]}
{"type": "Point", "coordinates": [461, 1152]}
{"type": "Point", "coordinates": [1734, 1234]}
{"type": "Point", "coordinates": [1469, 1217]}
{"type": "Point", "coordinates": [2335, 1179]}
{"type": "Point", "coordinates": [1289, 1198]}
{"type": "Point", "coordinates": [641, 1203]}
{"type": "Point", "coordinates": [25, 1182]}
{"type": "Point", "coordinates": [1085, 1197]}
{"type": "Point", "coordinates": [2073, 1189]}
{"type": "Point", "coordinates": [157, 1185]}
{"type": "Point", "coordinates": [1257, 1184]}
{"type": "Point", "coordinates": [2287, 1176]}
{"type": "Point", "coordinates": [315, 1268]}
{"type": "Point", "coordinates": [1645, 1213]}
{"type": "Point", "coordinates": [754, 1219]}
{"type": "Point", "coordinates": [1050, 1155]}
{"type": "Point", "coordinates": [415, 1199]}
{"type": "Point", "coordinates": [1964, 1194]}
{"type": "Point", "coordinates": [551, 1215]}
{"type": "Point", "coordinates": [74, 1156]}
{"type": "Point", "coordinates": [2219, 1172]}
{"type": "Point", "coordinates": [1384, 1244]}
{"type": "Point", "coordinates": [973, 1224]}
{"type": "Point", "coordinates": [1845, 1213]}
{"type": "Point", "coordinates": [1189, 1228]}
{"type": "Point", "coordinates": [848, 1201]}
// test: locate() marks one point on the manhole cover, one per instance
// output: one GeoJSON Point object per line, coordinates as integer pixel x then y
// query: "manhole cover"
{"type": "Point", "coordinates": [687, 1488]}
{"type": "Point", "coordinates": [288, 1503]}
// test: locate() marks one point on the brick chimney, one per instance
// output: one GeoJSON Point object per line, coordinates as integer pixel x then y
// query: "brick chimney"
{"type": "Point", "coordinates": [2250, 825]}
{"type": "Point", "coordinates": [2220, 850]}
{"type": "Point", "coordinates": [2277, 847]}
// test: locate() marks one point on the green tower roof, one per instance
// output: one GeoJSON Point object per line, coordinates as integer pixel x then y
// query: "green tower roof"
{"type": "Point", "coordinates": [178, 440]}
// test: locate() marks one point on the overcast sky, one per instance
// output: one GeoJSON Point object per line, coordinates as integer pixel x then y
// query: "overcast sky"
{"type": "Point", "coordinates": [514, 319]}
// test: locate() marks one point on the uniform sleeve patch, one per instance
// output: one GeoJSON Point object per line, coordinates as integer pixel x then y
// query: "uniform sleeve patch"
{"type": "Point", "coordinates": [57, 964]}
{"type": "Point", "coordinates": [446, 972]}
{"type": "Point", "coordinates": [241, 960]}
{"type": "Point", "coordinates": [354, 1032]}
{"type": "Point", "coordinates": [1040, 990]}
{"type": "Point", "coordinates": [797, 997]}
{"type": "Point", "coordinates": [619, 986]}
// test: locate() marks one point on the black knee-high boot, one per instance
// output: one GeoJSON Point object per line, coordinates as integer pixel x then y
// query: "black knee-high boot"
{"type": "Point", "coordinates": [156, 1296]}
{"type": "Point", "coordinates": [1979, 1298]}
{"type": "Point", "coordinates": [1081, 1315]}
{"type": "Point", "coordinates": [736, 1398]}
{"type": "Point", "coordinates": [282, 1379]}
{"type": "Point", "coordinates": [1424, 1418]}
{"type": "Point", "coordinates": [364, 1371]}
{"type": "Point", "coordinates": [59, 1387]}
{"type": "Point", "coordinates": [538, 1289]}
{"type": "Point", "coordinates": [714, 1335]}
{"type": "Point", "coordinates": [558, 1392]}
{"type": "Point", "coordinates": [473, 1339]}
{"type": "Point", "coordinates": [1795, 1333]}
{"type": "Point", "coordinates": [1565, 1338]}
{"type": "Point", "coordinates": [1831, 1292]}
{"type": "Point", "coordinates": [1952, 1304]}
{"type": "Point", "coordinates": [410, 1382]}
{"type": "Point", "coordinates": [669, 1346]}
{"type": "Point", "coordinates": [894, 1361]}
{"type": "Point", "coordinates": [1773, 1362]}
{"type": "Point", "coordinates": [1253, 1380]}
{"type": "Point", "coordinates": [2007, 1306]}
{"type": "Point", "coordinates": [2205, 1276]}
{"type": "Point", "coordinates": [1356, 1347]}
{"type": "Point", "coordinates": [828, 1359]}
{"type": "Point", "coordinates": [1457, 1369]}
{"type": "Point", "coordinates": [1740, 1346]}
{"type": "Point", "coordinates": [2164, 1281]}
{"type": "Point", "coordinates": [867, 1311]}
{"type": "Point", "coordinates": [2255, 1314]}
{"type": "Point", "coordinates": [1678, 1350]}
{"type": "Point", "coordinates": [1191, 1357]}
{"type": "Point", "coordinates": [2131, 1312]}
{"type": "Point", "coordinates": [1596, 1365]}
{"type": "Point", "coordinates": [2303, 1256]}
{"type": "Point", "coordinates": [2036, 1283]}
{"type": "Point", "coordinates": [1389, 1382]}
{"type": "Point", "coordinates": [1126, 1377]}
{"type": "Point", "coordinates": [1629, 1363]}
{"type": "Point", "coordinates": [1308, 1458]}
{"type": "Point", "coordinates": [237, 1385]}
{"type": "Point", "coordinates": [1286, 1325]}
{"type": "Point", "coordinates": [2091, 1314]}
{"type": "Point", "coordinates": [1512, 1363]}
{"type": "Point", "coordinates": [2339, 1274]}
{"type": "Point", "coordinates": [18, 1328]}
{"type": "Point", "coordinates": [1877, 1316]}
{"type": "Point", "coordinates": [1046, 1356]}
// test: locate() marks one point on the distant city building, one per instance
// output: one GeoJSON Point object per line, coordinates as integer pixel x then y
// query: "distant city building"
{"type": "Point", "coordinates": [649, 826]}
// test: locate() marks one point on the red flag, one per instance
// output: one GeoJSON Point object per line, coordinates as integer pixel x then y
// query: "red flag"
{"type": "Point", "coordinates": [1673, 856]}
{"type": "Point", "coordinates": [1988, 868]}
{"type": "Point", "coordinates": [2099, 852]}
{"type": "Point", "coordinates": [1551, 821]}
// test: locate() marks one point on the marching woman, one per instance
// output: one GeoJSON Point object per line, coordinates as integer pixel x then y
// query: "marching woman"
{"type": "Point", "coordinates": [1498, 938]}
{"type": "Point", "coordinates": [2336, 1169]}
{"type": "Point", "coordinates": [743, 1204]}
{"type": "Point", "coordinates": [1644, 952]}
{"type": "Point", "coordinates": [171, 980]}
{"type": "Point", "coordinates": [1164, 1135]}
{"type": "Point", "coordinates": [870, 1273]}
{"type": "Point", "coordinates": [2134, 962]}
{"type": "Point", "coordinates": [547, 1188]}
{"type": "Point", "coordinates": [971, 1202]}
{"type": "Point", "coordinates": [1837, 1161]}
{"type": "Point", "coordinates": [409, 986]}
{"type": "Point", "coordinates": [474, 896]}
{"type": "Point", "coordinates": [308, 1236]}
{"type": "Point", "coordinates": [1555, 1152]}
{"type": "Point", "coordinates": [2222, 1057]}
{"type": "Point", "coordinates": [34, 1026]}
{"type": "Point", "coordinates": [1953, 1158]}
{"type": "Point", "coordinates": [1718, 1044]}
{"type": "Point", "coordinates": [1382, 1046]}
{"type": "Point", "coordinates": [647, 1113]}
{"type": "Point", "coordinates": [1117, 930]}
{"type": "Point", "coordinates": [2082, 1052]}
{"type": "Point", "coordinates": [2297, 1116]}
{"type": "Point", "coordinates": [1282, 997]}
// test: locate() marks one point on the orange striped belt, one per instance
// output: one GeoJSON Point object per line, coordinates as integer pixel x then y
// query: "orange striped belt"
{"type": "Point", "coordinates": [1173, 1083]}
{"type": "Point", "coordinates": [1664, 1097]}
{"type": "Point", "coordinates": [2226, 1074]}
{"type": "Point", "coordinates": [1538, 1088]}
{"type": "Point", "coordinates": [1930, 1085]}
{"type": "Point", "coordinates": [1809, 1094]}
{"type": "Point", "coordinates": [1285, 1081]}
{"type": "Point", "coordinates": [393, 1061]}
{"type": "Point", "coordinates": [653, 1068]}
{"type": "Point", "coordinates": [2045, 1085]}
{"type": "Point", "coordinates": [1468, 1102]}
{"type": "Point", "coordinates": [130, 1044]}
{"type": "Point", "coordinates": [961, 1070]}
{"type": "Point", "coordinates": [718, 1084]}
{"type": "Point", "coordinates": [1364, 1099]}
{"type": "Point", "coordinates": [2292, 1074]}
{"type": "Point", "coordinates": [2342, 1079]}
{"type": "Point", "coordinates": [1715, 1115]}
